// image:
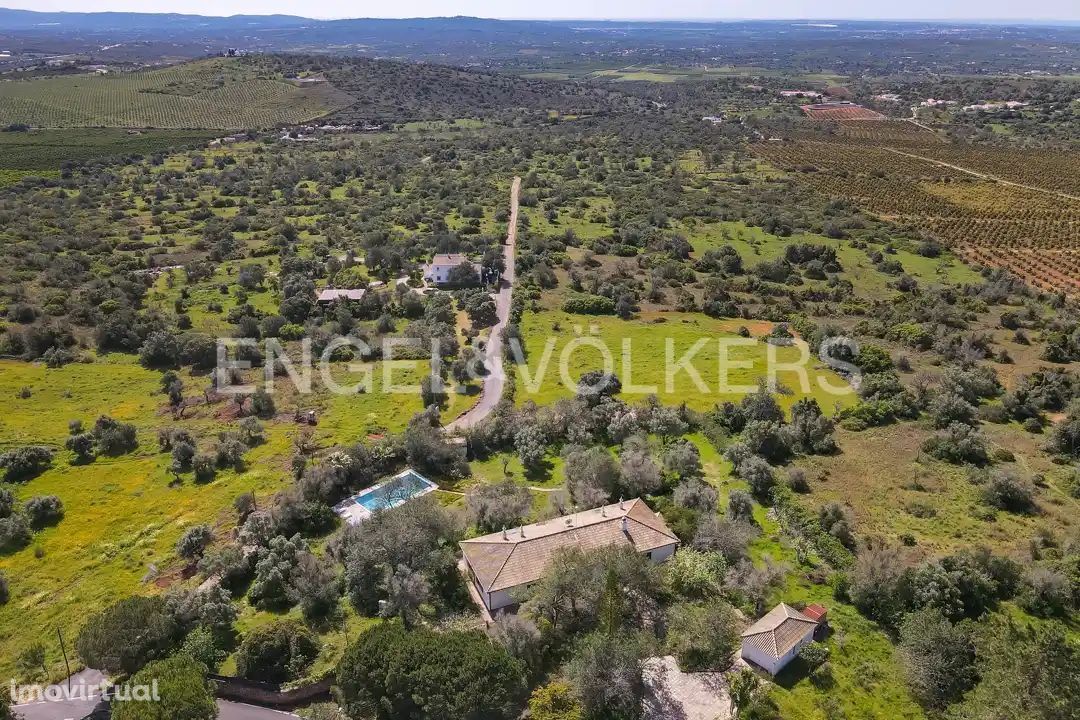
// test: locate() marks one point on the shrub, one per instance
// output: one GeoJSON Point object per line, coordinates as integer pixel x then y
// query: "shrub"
{"type": "Point", "coordinates": [814, 655]}
{"type": "Point", "coordinates": [25, 462]}
{"type": "Point", "coordinates": [14, 532]}
{"type": "Point", "coordinates": [796, 480]}
{"type": "Point", "coordinates": [201, 645]}
{"type": "Point", "coordinates": [696, 573]}
{"type": "Point", "coordinates": [957, 444]}
{"type": "Point", "coordinates": [82, 445]}
{"type": "Point", "coordinates": [126, 635]}
{"type": "Point", "coordinates": [1007, 491]}
{"type": "Point", "coordinates": [5, 591]}
{"type": "Point", "coordinates": [393, 673]}
{"type": "Point", "coordinates": [938, 658]}
{"type": "Point", "coordinates": [588, 304]}
{"type": "Point", "coordinates": [555, 701]}
{"type": "Point", "coordinates": [194, 542]}
{"type": "Point", "coordinates": [1048, 593]}
{"type": "Point", "coordinates": [276, 653]}
{"type": "Point", "coordinates": [113, 437]}
{"type": "Point", "coordinates": [183, 692]}
{"type": "Point", "coordinates": [160, 350]}
{"type": "Point", "coordinates": [703, 637]}
{"type": "Point", "coordinates": [44, 510]}
{"type": "Point", "coordinates": [757, 473]}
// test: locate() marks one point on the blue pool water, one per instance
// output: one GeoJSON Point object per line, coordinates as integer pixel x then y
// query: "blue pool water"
{"type": "Point", "coordinates": [395, 491]}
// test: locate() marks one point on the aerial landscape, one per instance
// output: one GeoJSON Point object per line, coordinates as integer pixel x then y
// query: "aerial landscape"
{"type": "Point", "coordinates": [455, 368]}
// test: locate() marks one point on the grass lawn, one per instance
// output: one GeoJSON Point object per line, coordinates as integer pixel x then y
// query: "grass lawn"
{"type": "Point", "coordinates": [755, 245]}
{"type": "Point", "coordinates": [561, 347]}
{"type": "Point", "coordinates": [123, 515]}
{"type": "Point", "coordinates": [866, 677]}
{"type": "Point", "coordinates": [894, 490]}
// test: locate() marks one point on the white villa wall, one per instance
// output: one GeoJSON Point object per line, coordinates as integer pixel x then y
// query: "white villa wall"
{"type": "Point", "coordinates": [768, 662]}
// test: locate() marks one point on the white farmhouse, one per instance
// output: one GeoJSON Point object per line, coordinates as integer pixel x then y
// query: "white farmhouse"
{"type": "Point", "coordinates": [774, 640]}
{"type": "Point", "coordinates": [510, 560]}
{"type": "Point", "coordinates": [438, 270]}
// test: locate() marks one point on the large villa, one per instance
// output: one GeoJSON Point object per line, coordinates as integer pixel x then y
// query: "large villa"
{"type": "Point", "coordinates": [504, 562]}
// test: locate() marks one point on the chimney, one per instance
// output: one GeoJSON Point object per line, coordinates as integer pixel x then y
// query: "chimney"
{"type": "Point", "coordinates": [522, 531]}
{"type": "Point", "coordinates": [621, 506]}
{"type": "Point", "coordinates": [603, 511]}
{"type": "Point", "coordinates": [625, 525]}
{"type": "Point", "coordinates": [504, 533]}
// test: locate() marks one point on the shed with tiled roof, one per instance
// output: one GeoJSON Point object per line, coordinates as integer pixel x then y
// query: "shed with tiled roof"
{"type": "Point", "coordinates": [501, 563]}
{"type": "Point", "coordinates": [774, 640]}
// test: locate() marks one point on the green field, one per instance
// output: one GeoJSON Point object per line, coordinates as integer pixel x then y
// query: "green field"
{"type": "Point", "coordinates": [123, 515]}
{"type": "Point", "coordinates": [552, 337]}
{"type": "Point", "coordinates": [224, 93]}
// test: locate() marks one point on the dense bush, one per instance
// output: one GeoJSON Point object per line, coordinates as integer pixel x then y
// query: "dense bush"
{"type": "Point", "coordinates": [44, 510]}
{"type": "Point", "coordinates": [25, 462]}
{"type": "Point", "coordinates": [391, 673]}
{"type": "Point", "coordinates": [703, 637]}
{"type": "Point", "coordinates": [958, 443]}
{"type": "Point", "coordinates": [182, 689]}
{"type": "Point", "coordinates": [126, 635]}
{"type": "Point", "coordinates": [589, 304]}
{"type": "Point", "coordinates": [276, 653]}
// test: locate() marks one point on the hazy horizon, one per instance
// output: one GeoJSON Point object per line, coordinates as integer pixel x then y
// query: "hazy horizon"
{"type": "Point", "coordinates": [989, 11]}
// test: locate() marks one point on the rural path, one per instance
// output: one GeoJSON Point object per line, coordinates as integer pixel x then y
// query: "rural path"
{"type": "Point", "coordinates": [492, 388]}
{"type": "Point", "coordinates": [985, 176]}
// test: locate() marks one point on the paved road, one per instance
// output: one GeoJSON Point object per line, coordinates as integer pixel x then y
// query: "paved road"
{"type": "Point", "coordinates": [492, 388]}
{"type": "Point", "coordinates": [77, 709]}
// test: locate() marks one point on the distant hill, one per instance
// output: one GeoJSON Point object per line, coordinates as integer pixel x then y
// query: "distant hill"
{"type": "Point", "coordinates": [254, 92]}
{"type": "Point", "coordinates": [852, 46]}
{"type": "Point", "coordinates": [217, 93]}
{"type": "Point", "coordinates": [388, 91]}
{"type": "Point", "coordinates": [128, 21]}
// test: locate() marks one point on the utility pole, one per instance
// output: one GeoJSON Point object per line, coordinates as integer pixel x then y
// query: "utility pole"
{"type": "Point", "coordinates": [67, 665]}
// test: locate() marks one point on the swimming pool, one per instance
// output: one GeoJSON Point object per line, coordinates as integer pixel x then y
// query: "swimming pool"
{"type": "Point", "coordinates": [389, 494]}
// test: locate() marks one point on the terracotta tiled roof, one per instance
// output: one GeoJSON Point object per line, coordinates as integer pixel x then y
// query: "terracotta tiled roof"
{"type": "Point", "coordinates": [331, 294]}
{"type": "Point", "coordinates": [779, 630]}
{"type": "Point", "coordinates": [451, 259]}
{"type": "Point", "coordinates": [521, 555]}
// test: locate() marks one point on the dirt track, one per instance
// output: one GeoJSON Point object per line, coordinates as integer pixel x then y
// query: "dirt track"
{"type": "Point", "coordinates": [492, 388]}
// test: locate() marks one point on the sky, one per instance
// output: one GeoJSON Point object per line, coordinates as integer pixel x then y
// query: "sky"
{"type": "Point", "coordinates": [594, 9]}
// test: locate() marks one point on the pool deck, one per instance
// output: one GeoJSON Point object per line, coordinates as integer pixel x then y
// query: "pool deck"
{"type": "Point", "coordinates": [352, 512]}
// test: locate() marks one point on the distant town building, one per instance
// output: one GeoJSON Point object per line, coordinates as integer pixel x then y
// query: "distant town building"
{"type": "Point", "coordinates": [994, 106]}
{"type": "Point", "coordinates": [800, 94]}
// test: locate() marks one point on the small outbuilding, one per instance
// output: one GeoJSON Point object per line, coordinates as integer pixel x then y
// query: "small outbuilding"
{"type": "Point", "coordinates": [774, 640]}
